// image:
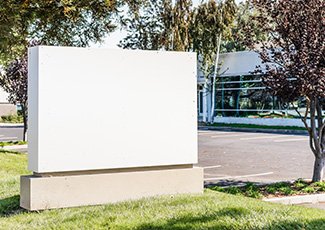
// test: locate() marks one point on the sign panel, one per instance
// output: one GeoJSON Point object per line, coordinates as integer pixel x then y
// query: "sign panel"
{"type": "Point", "coordinates": [95, 109]}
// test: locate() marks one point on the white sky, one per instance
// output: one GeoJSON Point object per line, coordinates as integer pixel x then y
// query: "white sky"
{"type": "Point", "coordinates": [113, 39]}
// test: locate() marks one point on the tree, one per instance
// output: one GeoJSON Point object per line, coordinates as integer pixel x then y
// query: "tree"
{"type": "Point", "coordinates": [237, 38]}
{"type": "Point", "coordinates": [144, 25]}
{"type": "Point", "coordinates": [14, 82]}
{"type": "Point", "coordinates": [294, 59]}
{"type": "Point", "coordinates": [154, 25]}
{"type": "Point", "coordinates": [212, 21]}
{"type": "Point", "coordinates": [53, 22]}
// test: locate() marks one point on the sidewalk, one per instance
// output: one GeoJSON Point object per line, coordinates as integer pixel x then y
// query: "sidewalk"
{"type": "Point", "coordinates": [254, 130]}
{"type": "Point", "coordinates": [11, 125]}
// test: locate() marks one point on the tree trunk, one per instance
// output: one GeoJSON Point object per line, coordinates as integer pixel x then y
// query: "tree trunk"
{"type": "Point", "coordinates": [24, 113]}
{"type": "Point", "coordinates": [25, 129]}
{"type": "Point", "coordinates": [318, 169]}
{"type": "Point", "coordinates": [213, 98]}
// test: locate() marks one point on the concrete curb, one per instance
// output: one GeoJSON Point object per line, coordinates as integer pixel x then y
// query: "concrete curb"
{"type": "Point", "coordinates": [11, 125]}
{"type": "Point", "coordinates": [300, 199]}
{"type": "Point", "coordinates": [255, 130]}
{"type": "Point", "coordinates": [14, 147]}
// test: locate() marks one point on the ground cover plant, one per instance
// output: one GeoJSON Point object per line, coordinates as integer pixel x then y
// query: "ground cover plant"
{"type": "Point", "coordinates": [211, 210]}
{"type": "Point", "coordinates": [279, 189]}
{"type": "Point", "coordinates": [11, 119]}
{"type": "Point", "coordinates": [10, 143]}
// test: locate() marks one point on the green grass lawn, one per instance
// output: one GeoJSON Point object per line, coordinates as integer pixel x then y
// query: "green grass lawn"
{"type": "Point", "coordinates": [211, 210]}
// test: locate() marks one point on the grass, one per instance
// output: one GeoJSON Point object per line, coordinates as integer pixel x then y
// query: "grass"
{"type": "Point", "coordinates": [299, 187]}
{"type": "Point", "coordinates": [252, 126]}
{"type": "Point", "coordinates": [211, 210]}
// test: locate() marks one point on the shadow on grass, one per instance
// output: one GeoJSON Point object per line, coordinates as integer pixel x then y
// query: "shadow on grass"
{"type": "Point", "coordinates": [10, 206]}
{"type": "Point", "coordinates": [194, 222]}
{"type": "Point", "coordinates": [218, 220]}
{"type": "Point", "coordinates": [318, 224]}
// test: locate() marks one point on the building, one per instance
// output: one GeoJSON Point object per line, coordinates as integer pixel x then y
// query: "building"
{"type": "Point", "coordinates": [239, 91]}
{"type": "Point", "coordinates": [5, 107]}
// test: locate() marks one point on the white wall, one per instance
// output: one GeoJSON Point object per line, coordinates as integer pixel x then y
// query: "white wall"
{"type": "Point", "coordinates": [239, 63]}
{"type": "Point", "coordinates": [3, 96]}
{"type": "Point", "coordinates": [142, 109]}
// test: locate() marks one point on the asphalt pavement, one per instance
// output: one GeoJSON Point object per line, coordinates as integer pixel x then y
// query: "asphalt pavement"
{"type": "Point", "coordinates": [11, 133]}
{"type": "Point", "coordinates": [235, 157]}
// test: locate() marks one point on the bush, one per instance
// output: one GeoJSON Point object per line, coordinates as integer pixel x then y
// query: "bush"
{"type": "Point", "coordinates": [308, 190]}
{"type": "Point", "coordinates": [251, 190]}
{"type": "Point", "coordinates": [286, 190]}
{"type": "Point", "coordinates": [12, 119]}
{"type": "Point", "coordinates": [319, 185]}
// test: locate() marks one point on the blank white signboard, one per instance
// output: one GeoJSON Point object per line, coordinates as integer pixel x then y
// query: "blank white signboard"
{"type": "Point", "coordinates": [95, 109]}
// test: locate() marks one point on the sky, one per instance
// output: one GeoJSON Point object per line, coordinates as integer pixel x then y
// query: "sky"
{"type": "Point", "coordinates": [113, 39]}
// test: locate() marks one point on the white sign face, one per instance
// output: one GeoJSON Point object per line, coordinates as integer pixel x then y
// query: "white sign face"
{"type": "Point", "coordinates": [95, 109]}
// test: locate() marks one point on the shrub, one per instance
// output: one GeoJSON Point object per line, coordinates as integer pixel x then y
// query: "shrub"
{"type": "Point", "coordinates": [12, 119]}
{"type": "Point", "coordinates": [308, 190]}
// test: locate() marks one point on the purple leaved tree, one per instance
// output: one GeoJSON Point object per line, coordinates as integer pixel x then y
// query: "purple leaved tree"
{"type": "Point", "coordinates": [294, 57]}
{"type": "Point", "coordinates": [14, 82]}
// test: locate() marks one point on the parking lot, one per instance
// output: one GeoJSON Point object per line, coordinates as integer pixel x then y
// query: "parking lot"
{"type": "Point", "coordinates": [232, 157]}
{"type": "Point", "coordinates": [11, 133]}
{"type": "Point", "coordinates": [257, 157]}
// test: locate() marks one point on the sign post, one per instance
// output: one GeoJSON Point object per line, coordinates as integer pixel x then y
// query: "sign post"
{"type": "Point", "coordinates": [109, 125]}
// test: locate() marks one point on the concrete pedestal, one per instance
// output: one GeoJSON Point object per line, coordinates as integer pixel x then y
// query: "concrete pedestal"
{"type": "Point", "coordinates": [71, 189]}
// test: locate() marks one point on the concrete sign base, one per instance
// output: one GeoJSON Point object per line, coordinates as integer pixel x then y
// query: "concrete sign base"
{"type": "Point", "coordinates": [71, 189]}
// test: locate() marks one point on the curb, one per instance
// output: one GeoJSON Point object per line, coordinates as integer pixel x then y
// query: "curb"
{"type": "Point", "coordinates": [300, 199]}
{"type": "Point", "coordinates": [11, 125]}
{"type": "Point", "coordinates": [255, 130]}
{"type": "Point", "coordinates": [14, 147]}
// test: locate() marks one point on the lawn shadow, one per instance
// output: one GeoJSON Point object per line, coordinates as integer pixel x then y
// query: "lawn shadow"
{"type": "Point", "coordinates": [10, 206]}
{"type": "Point", "coordinates": [318, 224]}
{"type": "Point", "coordinates": [188, 222]}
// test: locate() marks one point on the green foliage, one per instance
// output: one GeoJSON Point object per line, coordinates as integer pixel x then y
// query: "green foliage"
{"type": "Point", "coordinates": [320, 186]}
{"type": "Point", "coordinates": [286, 190]}
{"type": "Point", "coordinates": [251, 190]}
{"type": "Point", "coordinates": [308, 190]}
{"type": "Point", "coordinates": [154, 25]}
{"type": "Point", "coordinates": [231, 190]}
{"type": "Point", "coordinates": [300, 186]}
{"type": "Point", "coordinates": [234, 190]}
{"type": "Point", "coordinates": [12, 119]}
{"type": "Point", "coordinates": [279, 187]}
{"type": "Point", "coordinates": [10, 143]}
{"type": "Point", "coordinates": [212, 21]}
{"type": "Point", "coordinates": [54, 22]}
{"type": "Point", "coordinates": [218, 189]}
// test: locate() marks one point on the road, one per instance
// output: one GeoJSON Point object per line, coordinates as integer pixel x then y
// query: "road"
{"type": "Point", "coordinates": [257, 157]}
{"type": "Point", "coordinates": [11, 134]}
